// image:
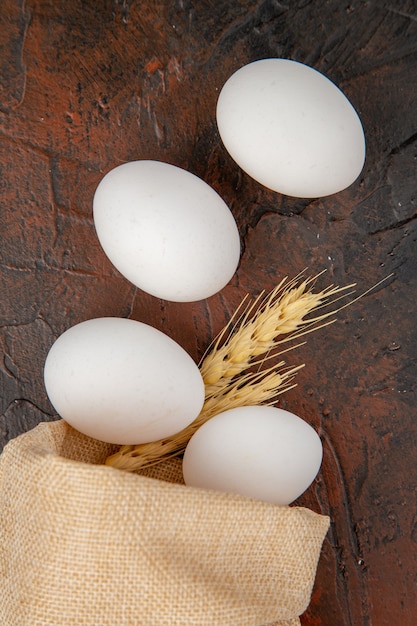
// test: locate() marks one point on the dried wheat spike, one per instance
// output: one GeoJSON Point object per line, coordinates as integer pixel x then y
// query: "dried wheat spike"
{"type": "Point", "coordinates": [232, 370]}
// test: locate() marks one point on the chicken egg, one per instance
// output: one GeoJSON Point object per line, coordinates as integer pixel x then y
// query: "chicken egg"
{"type": "Point", "coordinates": [290, 128]}
{"type": "Point", "coordinates": [261, 452]}
{"type": "Point", "coordinates": [166, 230]}
{"type": "Point", "coordinates": [121, 381]}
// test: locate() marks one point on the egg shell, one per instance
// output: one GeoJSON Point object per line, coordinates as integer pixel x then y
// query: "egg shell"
{"type": "Point", "coordinates": [122, 381]}
{"type": "Point", "coordinates": [166, 230]}
{"type": "Point", "coordinates": [261, 452]}
{"type": "Point", "coordinates": [290, 128]}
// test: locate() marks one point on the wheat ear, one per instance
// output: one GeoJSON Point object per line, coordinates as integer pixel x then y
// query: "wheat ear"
{"type": "Point", "coordinates": [232, 369]}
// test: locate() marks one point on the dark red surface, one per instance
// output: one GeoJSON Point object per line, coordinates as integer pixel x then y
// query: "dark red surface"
{"type": "Point", "coordinates": [86, 86]}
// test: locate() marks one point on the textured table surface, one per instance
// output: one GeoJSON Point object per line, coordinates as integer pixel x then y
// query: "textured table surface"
{"type": "Point", "coordinates": [86, 86]}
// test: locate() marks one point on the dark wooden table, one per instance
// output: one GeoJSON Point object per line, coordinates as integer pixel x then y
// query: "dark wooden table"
{"type": "Point", "coordinates": [86, 86]}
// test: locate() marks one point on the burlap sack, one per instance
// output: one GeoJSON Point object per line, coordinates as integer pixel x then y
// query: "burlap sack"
{"type": "Point", "coordinates": [82, 544]}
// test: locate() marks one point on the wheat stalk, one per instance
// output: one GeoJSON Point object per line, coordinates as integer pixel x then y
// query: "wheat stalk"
{"type": "Point", "coordinates": [232, 369]}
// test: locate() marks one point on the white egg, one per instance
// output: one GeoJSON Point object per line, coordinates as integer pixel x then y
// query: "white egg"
{"type": "Point", "coordinates": [257, 451]}
{"type": "Point", "coordinates": [166, 230]}
{"type": "Point", "coordinates": [122, 381]}
{"type": "Point", "coordinates": [290, 128]}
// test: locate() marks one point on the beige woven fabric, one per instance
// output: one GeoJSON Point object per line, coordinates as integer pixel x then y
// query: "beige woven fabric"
{"type": "Point", "coordinates": [82, 544]}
